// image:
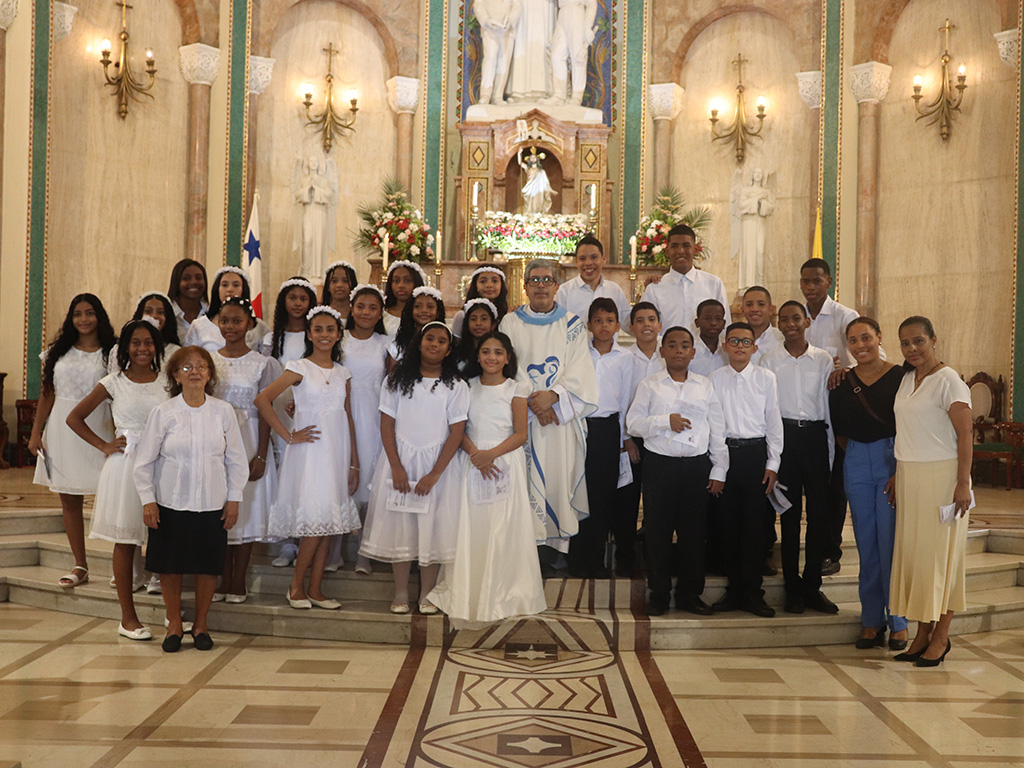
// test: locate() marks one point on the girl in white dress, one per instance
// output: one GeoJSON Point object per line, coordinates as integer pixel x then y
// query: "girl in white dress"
{"type": "Point", "coordinates": [241, 375]}
{"type": "Point", "coordinates": [228, 282]}
{"type": "Point", "coordinates": [187, 293]}
{"type": "Point", "coordinates": [157, 306]}
{"type": "Point", "coordinates": [485, 283]}
{"type": "Point", "coordinates": [320, 469]}
{"type": "Point", "coordinates": [288, 342]}
{"type": "Point", "coordinates": [339, 282]}
{"type": "Point", "coordinates": [425, 306]}
{"type": "Point", "coordinates": [481, 317]}
{"type": "Point", "coordinates": [496, 573]}
{"type": "Point", "coordinates": [72, 367]}
{"type": "Point", "coordinates": [414, 507]}
{"type": "Point", "coordinates": [131, 393]}
{"type": "Point", "coordinates": [403, 278]}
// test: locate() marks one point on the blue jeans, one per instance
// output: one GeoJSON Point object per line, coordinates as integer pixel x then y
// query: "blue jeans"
{"type": "Point", "coordinates": [867, 469]}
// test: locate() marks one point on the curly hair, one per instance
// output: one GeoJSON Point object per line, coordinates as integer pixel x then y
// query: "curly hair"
{"type": "Point", "coordinates": [177, 360]}
{"type": "Point", "coordinates": [407, 373]}
{"type": "Point", "coordinates": [281, 315]}
{"type": "Point", "coordinates": [125, 340]}
{"type": "Point", "coordinates": [67, 336]}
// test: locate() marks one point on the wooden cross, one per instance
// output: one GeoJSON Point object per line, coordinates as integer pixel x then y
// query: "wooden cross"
{"type": "Point", "coordinates": [739, 62]}
{"type": "Point", "coordinates": [946, 29]}
{"type": "Point", "coordinates": [330, 50]}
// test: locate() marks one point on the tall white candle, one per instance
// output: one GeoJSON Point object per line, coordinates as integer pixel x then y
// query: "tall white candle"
{"type": "Point", "coordinates": [437, 247]}
{"type": "Point", "coordinates": [593, 197]}
{"type": "Point", "coordinates": [476, 193]}
{"type": "Point", "coordinates": [632, 252]}
{"type": "Point", "coordinates": [385, 251]}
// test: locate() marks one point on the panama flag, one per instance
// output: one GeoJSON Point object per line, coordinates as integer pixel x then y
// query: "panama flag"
{"type": "Point", "coordinates": [253, 262]}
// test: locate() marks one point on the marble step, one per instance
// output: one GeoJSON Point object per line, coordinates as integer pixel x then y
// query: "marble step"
{"type": "Point", "coordinates": [18, 522]}
{"type": "Point", "coordinates": [572, 617]}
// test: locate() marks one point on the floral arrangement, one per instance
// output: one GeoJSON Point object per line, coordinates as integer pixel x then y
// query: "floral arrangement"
{"type": "Point", "coordinates": [393, 215]}
{"type": "Point", "coordinates": [652, 235]}
{"type": "Point", "coordinates": [512, 233]}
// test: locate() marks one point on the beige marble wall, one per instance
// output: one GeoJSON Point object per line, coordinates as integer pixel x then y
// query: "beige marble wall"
{"type": "Point", "coordinates": [945, 210]}
{"type": "Point", "coordinates": [703, 171]}
{"type": "Point", "coordinates": [117, 187]}
{"type": "Point", "coordinates": [364, 158]}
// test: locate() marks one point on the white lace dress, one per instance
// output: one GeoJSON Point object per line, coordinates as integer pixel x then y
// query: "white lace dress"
{"type": "Point", "coordinates": [74, 467]}
{"type": "Point", "coordinates": [365, 361]}
{"type": "Point", "coordinates": [496, 574]}
{"type": "Point", "coordinates": [117, 513]}
{"type": "Point", "coordinates": [313, 498]}
{"type": "Point", "coordinates": [239, 380]}
{"type": "Point", "coordinates": [422, 423]}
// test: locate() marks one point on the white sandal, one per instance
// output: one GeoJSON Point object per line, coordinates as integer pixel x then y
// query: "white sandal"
{"type": "Point", "coordinates": [69, 580]}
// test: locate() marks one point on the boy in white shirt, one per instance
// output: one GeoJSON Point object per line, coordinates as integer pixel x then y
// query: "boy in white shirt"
{"type": "Point", "coordinates": [687, 462]}
{"type": "Point", "coordinates": [802, 372]}
{"type": "Point", "coordinates": [606, 439]}
{"type": "Point", "coordinates": [578, 294]}
{"type": "Point", "coordinates": [758, 310]}
{"type": "Point", "coordinates": [709, 354]}
{"type": "Point", "coordinates": [753, 431]}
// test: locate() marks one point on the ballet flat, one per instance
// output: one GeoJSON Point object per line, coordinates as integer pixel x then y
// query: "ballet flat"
{"type": "Point", "coordinates": [399, 608]}
{"type": "Point", "coordinates": [923, 662]}
{"type": "Point", "coordinates": [218, 597]}
{"type": "Point", "coordinates": [428, 608]}
{"type": "Point", "coordinates": [863, 643]}
{"type": "Point", "coordinates": [236, 598]}
{"type": "Point", "coordinates": [171, 644]}
{"type": "Point", "coordinates": [142, 633]}
{"type": "Point", "coordinates": [329, 604]}
{"type": "Point", "coordinates": [301, 603]}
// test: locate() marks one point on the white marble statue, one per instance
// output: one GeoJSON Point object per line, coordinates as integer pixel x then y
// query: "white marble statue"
{"type": "Point", "coordinates": [751, 202]}
{"type": "Point", "coordinates": [315, 193]}
{"type": "Point", "coordinates": [537, 191]}
{"type": "Point", "coordinates": [499, 21]}
{"type": "Point", "coordinates": [569, 47]}
{"type": "Point", "coordinates": [530, 79]}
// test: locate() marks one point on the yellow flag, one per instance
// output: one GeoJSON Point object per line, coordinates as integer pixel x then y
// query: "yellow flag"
{"type": "Point", "coordinates": [816, 248]}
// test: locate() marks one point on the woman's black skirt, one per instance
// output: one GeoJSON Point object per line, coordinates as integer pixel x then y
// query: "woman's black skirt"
{"type": "Point", "coordinates": [187, 542]}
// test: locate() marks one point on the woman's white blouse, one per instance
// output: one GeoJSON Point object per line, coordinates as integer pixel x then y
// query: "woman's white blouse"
{"type": "Point", "coordinates": [191, 458]}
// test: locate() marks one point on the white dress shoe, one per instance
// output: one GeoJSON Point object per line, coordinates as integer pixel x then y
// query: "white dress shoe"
{"type": "Point", "coordinates": [328, 605]}
{"type": "Point", "coordinates": [303, 603]}
{"type": "Point", "coordinates": [236, 598]}
{"type": "Point", "coordinates": [142, 633]}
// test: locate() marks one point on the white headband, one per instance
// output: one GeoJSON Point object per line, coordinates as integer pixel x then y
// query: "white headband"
{"type": "Point", "coordinates": [334, 265]}
{"type": "Point", "coordinates": [151, 320]}
{"type": "Point", "coordinates": [407, 265]}
{"type": "Point", "coordinates": [438, 323]}
{"type": "Point", "coordinates": [147, 294]}
{"type": "Point", "coordinates": [365, 287]}
{"type": "Point", "coordinates": [482, 270]}
{"type": "Point", "coordinates": [237, 270]}
{"type": "Point", "coordinates": [296, 282]}
{"type": "Point", "coordinates": [323, 310]}
{"type": "Point", "coordinates": [426, 290]}
{"type": "Point", "coordinates": [475, 302]}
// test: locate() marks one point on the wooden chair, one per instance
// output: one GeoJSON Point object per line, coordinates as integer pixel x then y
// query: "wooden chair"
{"type": "Point", "coordinates": [1007, 446]}
{"type": "Point", "coordinates": [26, 415]}
{"type": "Point", "coordinates": [986, 403]}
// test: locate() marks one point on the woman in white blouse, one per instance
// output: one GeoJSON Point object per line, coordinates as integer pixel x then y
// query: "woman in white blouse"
{"type": "Point", "coordinates": [190, 469]}
{"type": "Point", "coordinates": [933, 470]}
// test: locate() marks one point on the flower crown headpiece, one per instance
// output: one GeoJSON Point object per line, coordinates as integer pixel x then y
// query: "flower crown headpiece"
{"type": "Point", "coordinates": [365, 287]}
{"type": "Point", "coordinates": [323, 309]}
{"type": "Point", "coordinates": [237, 270]}
{"type": "Point", "coordinates": [150, 319]}
{"type": "Point", "coordinates": [426, 290]}
{"type": "Point", "coordinates": [335, 264]}
{"type": "Point", "coordinates": [238, 301]}
{"type": "Point", "coordinates": [482, 270]}
{"type": "Point", "coordinates": [408, 265]}
{"type": "Point", "coordinates": [475, 302]}
{"type": "Point", "coordinates": [296, 282]}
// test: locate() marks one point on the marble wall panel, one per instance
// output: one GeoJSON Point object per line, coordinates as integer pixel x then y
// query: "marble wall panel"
{"type": "Point", "coordinates": [945, 209]}
{"type": "Point", "coordinates": [364, 158]}
{"type": "Point", "coordinates": [703, 171]}
{"type": "Point", "coordinates": [117, 187]}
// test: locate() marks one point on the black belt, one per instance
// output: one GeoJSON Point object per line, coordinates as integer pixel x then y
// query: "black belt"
{"type": "Point", "coordinates": [803, 423]}
{"type": "Point", "coordinates": [745, 442]}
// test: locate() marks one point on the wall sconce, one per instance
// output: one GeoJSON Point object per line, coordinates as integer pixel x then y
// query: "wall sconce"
{"type": "Point", "coordinates": [123, 81]}
{"type": "Point", "coordinates": [945, 103]}
{"type": "Point", "coordinates": [328, 122]}
{"type": "Point", "coordinates": [739, 133]}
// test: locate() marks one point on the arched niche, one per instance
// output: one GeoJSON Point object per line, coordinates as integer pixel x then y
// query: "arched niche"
{"type": "Point", "coordinates": [515, 178]}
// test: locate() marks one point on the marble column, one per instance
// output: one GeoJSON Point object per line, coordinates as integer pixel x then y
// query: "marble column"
{"type": "Point", "coordinates": [8, 12]}
{"type": "Point", "coordinates": [261, 70]}
{"type": "Point", "coordinates": [403, 98]}
{"type": "Point", "coordinates": [869, 83]}
{"type": "Point", "coordinates": [665, 100]}
{"type": "Point", "coordinates": [1007, 42]}
{"type": "Point", "coordinates": [199, 66]}
{"type": "Point", "coordinates": [809, 84]}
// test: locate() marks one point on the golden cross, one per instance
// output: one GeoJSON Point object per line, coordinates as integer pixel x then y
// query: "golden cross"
{"type": "Point", "coordinates": [739, 62]}
{"type": "Point", "coordinates": [124, 12]}
{"type": "Point", "coordinates": [946, 29]}
{"type": "Point", "coordinates": [330, 50]}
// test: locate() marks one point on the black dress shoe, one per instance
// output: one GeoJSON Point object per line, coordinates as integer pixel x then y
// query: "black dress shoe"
{"type": "Point", "coordinates": [171, 644]}
{"type": "Point", "coordinates": [202, 641]}
{"type": "Point", "coordinates": [794, 604]}
{"type": "Point", "coordinates": [896, 644]}
{"type": "Point", "coordinates": [818, 602]}
{"type": "Point", "coordinates": [863, 643]}
{"type": "Point", "coordinates": [727, 603]}
{"type": "Point", "coordinates": [921, 661]}
{"type": "Point", "coordinates": [908, 656]}
{"type": "Point", "coordinates": [769, 568]}
{"type": "Point", "coordinates": [829, 567]}
{"type": "Point", "coordinates": [758, 607]}
{"type": "Point", "coordinates": [693, 605]}
{"type": "Point", "coordinates": [656, 609]}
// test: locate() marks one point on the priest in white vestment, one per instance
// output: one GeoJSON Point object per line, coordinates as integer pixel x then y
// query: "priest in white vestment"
{"type": "Point", "coordinates": [551, 344]}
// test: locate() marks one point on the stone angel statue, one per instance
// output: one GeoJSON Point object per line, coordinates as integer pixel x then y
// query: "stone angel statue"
{"type": "Point", "coordinates": [315, 194]}
{"type": "Point", "coordinates": [751, 202]}
{"type": "Point", "coordinates": [537, 191]}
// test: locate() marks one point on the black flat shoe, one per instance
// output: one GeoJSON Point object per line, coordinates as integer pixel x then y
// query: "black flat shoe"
{"type": "Point", "coordinates": [758, 607]}
{"type": "Point", "coordinates": [923, 662]}
{"type": "Point", "coordinates": [171, 644]}
{"type": "Point", "coordinates": [818, 602]}
{"type": "Point", "coordinates": [895, 644]}
{"type": "Point", "coordinates": [202, 641]}
{"type": "Point", "coordinates": [694, 605]}
{"type": "Point", "coordinates": [907, 656]}
{"type": "Point", "coordinates": [829, 567]}
{"type": "Point", "coordinates": [863, 643]}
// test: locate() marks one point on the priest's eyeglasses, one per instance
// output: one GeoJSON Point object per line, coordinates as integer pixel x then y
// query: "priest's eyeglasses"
{"type": "Point", "coordinates": [546, 280]}
{"type": "Point", "coordinates": [734, 342]}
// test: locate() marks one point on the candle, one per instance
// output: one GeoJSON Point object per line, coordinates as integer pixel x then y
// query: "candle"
{"type": "Point", "coordinates": [437, 247]}
{"type": "Point", "coordinates": [632, 252]}
{"type": "Point", "coordinates": [476, 193]}
{"type": "Point", "coordinates": [593, 198]}
{"type": "Point", "coordinates": [385, 250]}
